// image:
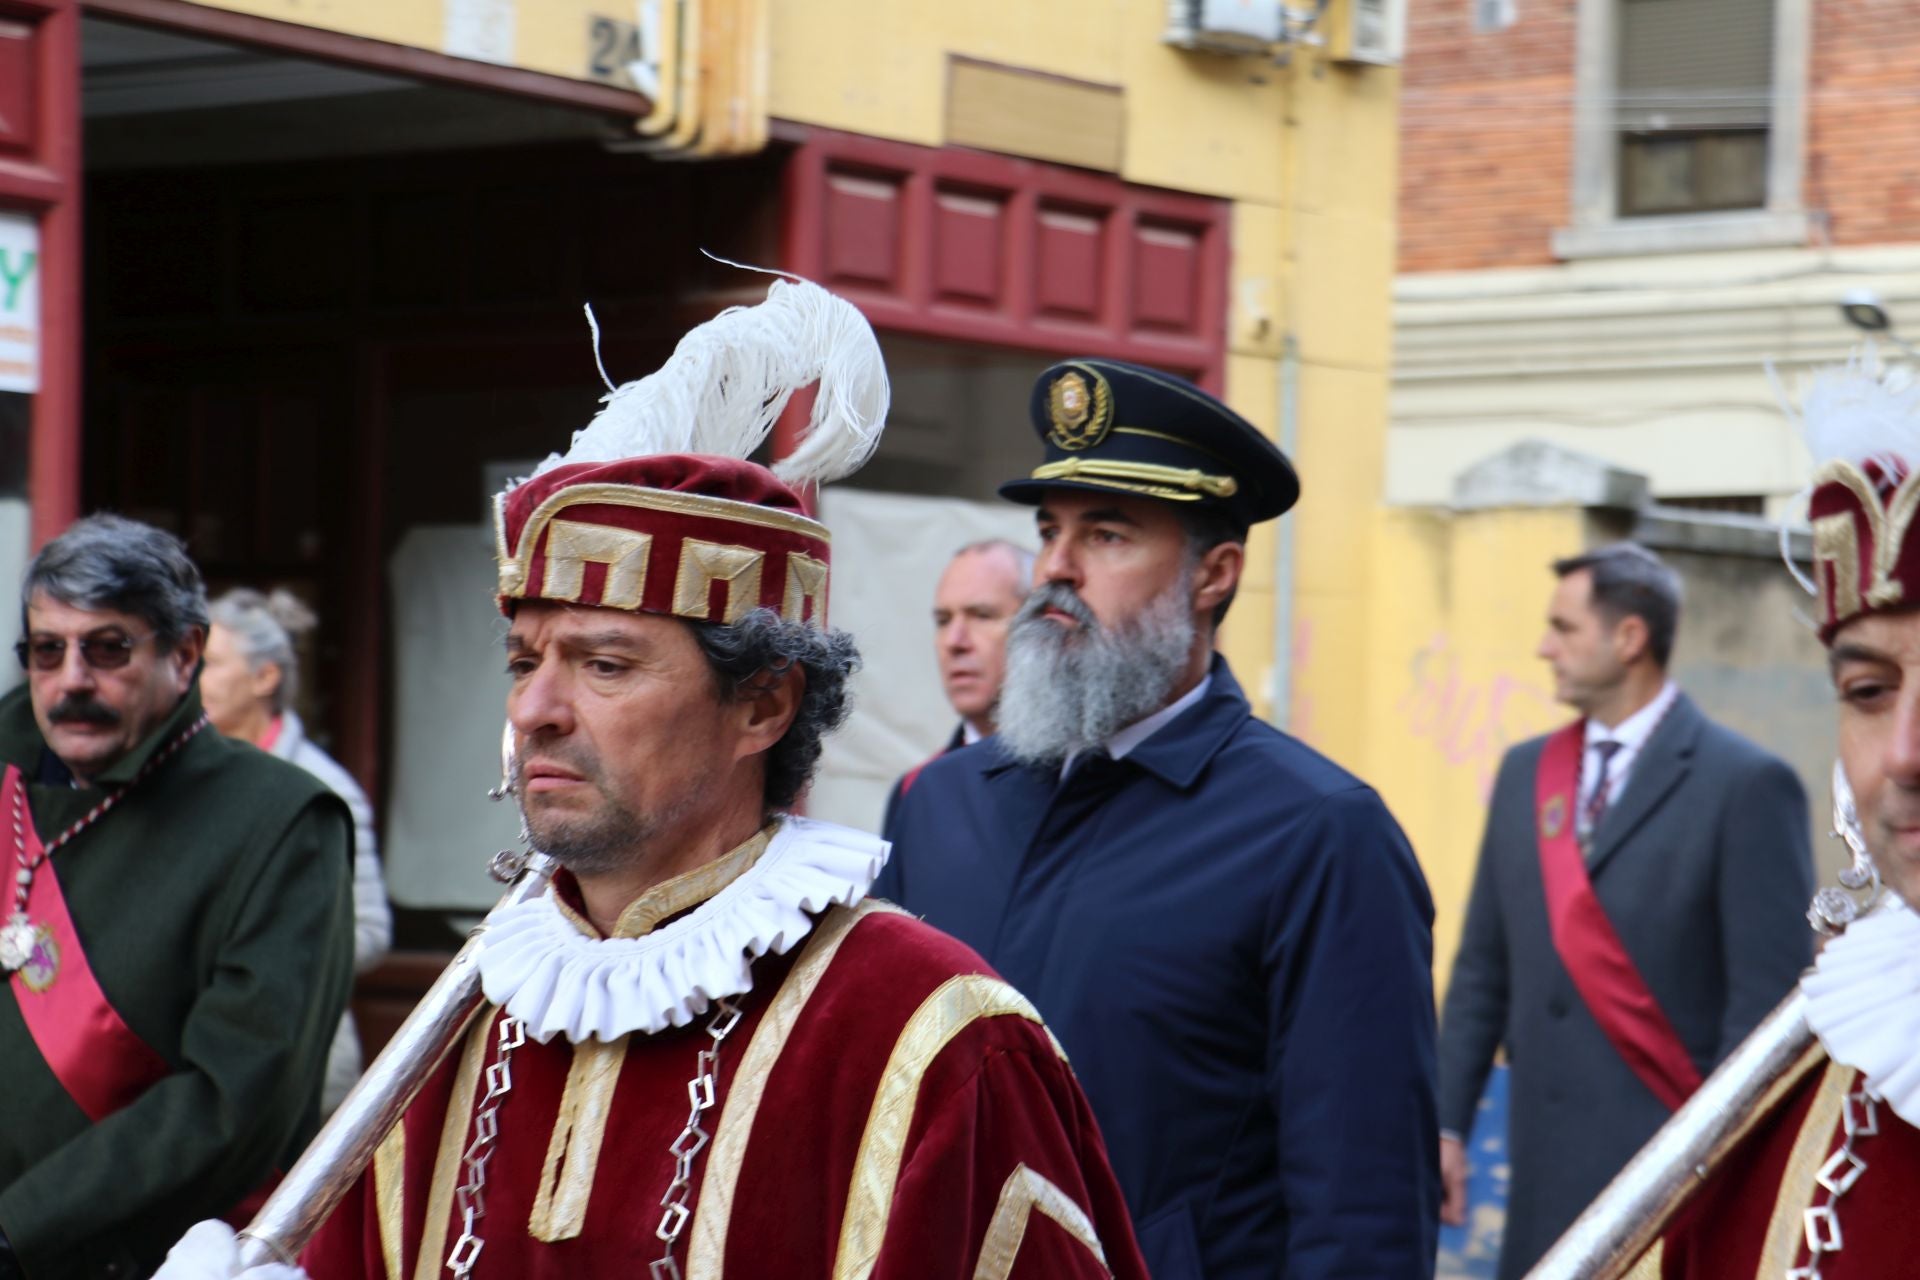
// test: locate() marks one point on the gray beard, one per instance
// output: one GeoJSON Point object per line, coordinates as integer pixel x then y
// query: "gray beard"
{"type": "Point", "coordinates": [1070, 691]}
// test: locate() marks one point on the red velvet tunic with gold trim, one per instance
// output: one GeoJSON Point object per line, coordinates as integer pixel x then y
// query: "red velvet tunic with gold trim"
{"type": "Point", "coordinates": [1835, 1159]}
{"type": "Point", "coordinates": [1750, 1219]}
{"type": "Point", "coordinates": [1863, 1081]}
{"type": "Point", "coordinates": [888, 1108]}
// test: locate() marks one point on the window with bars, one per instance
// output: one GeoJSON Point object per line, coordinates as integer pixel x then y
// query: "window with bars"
{"type": "Point", "coordinates": [1693, 104]}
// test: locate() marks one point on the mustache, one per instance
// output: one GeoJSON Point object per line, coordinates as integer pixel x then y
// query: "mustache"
{"type": "Point", "coordinates": [80, 708]}
{"type": "Point", "coordinates": [567, 755]}
{"type": "Point", "coordinates": [1056, 595]}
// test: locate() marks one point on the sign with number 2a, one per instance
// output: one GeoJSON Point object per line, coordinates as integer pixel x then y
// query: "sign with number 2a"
{"type": "Point", "coordinates": [613, 47]}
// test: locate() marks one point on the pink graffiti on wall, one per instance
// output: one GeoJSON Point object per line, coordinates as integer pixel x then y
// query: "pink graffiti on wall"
{"type": "Point", "coordinates": [1471, 722]}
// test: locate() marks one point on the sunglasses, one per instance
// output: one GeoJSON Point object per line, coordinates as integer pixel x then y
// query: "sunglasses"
{"type": "Point", "coordinates": [104, 650]}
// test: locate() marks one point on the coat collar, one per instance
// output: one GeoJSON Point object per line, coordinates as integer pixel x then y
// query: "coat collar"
{"type": "Point", "coordinates": [1181, 750]}
{"type": "Point", "coordinates": [1664, 762]}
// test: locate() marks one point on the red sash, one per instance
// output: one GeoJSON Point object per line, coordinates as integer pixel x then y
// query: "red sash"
{"type": "Point", "coordinates": [1592, 952]}
{"type": "Point", "coordinates": [96, 1057]}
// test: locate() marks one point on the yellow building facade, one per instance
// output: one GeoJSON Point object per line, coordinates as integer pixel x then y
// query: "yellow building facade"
{"type": "Point", "coordinates": [1302, 145]}
{"type": "Point", "coordinates": [1281, 158]}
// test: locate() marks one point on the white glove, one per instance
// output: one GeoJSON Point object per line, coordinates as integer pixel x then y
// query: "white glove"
{"type": "Point", "coordinates": [209, 1251]}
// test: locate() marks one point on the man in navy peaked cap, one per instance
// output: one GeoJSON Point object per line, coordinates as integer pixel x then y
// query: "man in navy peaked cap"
{"type": "Point", "coordinates": [1227, 932]}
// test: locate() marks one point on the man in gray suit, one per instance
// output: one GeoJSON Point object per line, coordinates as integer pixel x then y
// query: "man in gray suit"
{"type": "Point", "coordinates": [1639, 906]}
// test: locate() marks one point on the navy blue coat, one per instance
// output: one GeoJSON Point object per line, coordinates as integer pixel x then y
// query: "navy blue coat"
{"type": "Point", "coordinates": [1233, 942]}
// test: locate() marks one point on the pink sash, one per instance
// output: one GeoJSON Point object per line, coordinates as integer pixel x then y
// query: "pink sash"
{"type": "Point", "coordinates": [1595, 957]}
{"type": "Point", "coordinates": [96, 1057]}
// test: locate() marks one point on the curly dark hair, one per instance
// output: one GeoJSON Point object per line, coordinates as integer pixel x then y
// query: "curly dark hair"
{"type": "Point", "coordinates": [750, 655]}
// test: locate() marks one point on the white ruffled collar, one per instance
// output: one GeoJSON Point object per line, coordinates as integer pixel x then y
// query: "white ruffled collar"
{"type": "Point", "coordinates": [536, 963]}
{"type": "Point", "coordinates": [1863, 1001]}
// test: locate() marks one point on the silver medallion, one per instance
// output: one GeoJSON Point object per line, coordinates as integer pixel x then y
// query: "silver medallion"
{"type": "Point", "coordinates": [17, 941]}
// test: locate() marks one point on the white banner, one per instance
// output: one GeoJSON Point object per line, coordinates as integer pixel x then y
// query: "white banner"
{"type": "Point", "coordinates": [19, 303]}
{"type": "Point", "coordinates": [889, 550]}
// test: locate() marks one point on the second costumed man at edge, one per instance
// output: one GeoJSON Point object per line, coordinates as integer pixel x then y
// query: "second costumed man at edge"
{"type": "Point", "coordinates": [870, 1101]}
{"type": "Point", "coordinates": [1824, 1182]}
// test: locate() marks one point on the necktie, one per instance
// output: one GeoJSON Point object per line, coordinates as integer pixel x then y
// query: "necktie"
{"type": "Point", "coordinates": [1087, 766]}
{"type": "Point", "coordinates": [1597, 798]}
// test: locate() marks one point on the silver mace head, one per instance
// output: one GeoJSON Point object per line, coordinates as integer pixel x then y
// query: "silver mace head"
{"type": "Point", "coordinates": [506, 865]}
{"type": "Point", "coordinates": [507, 756]}
{"type": "Point", "coordinates": [1834, 908]}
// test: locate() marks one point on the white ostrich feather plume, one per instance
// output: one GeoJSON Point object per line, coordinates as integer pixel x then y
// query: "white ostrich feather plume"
{"type": "Point", "coordinates": [1863, 411]}
{"type": "Point", "coordinates": [728, 380]}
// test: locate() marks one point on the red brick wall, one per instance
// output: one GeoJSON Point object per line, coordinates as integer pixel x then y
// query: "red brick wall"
{"type": "Point", "coordinates": [1487, 129]}
{"type": "Point", "coordinates": [1863, 119]}
{"type": "Point", "coordinates": [1486, 134]}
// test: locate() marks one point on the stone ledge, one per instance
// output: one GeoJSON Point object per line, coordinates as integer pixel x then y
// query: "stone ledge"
{"type": "Point", "coordinates": [1534, 473]}
{"type": "Point", "coordinates": [1717, 532]}
{"type": "Point", "coordinates": [1745, 229]}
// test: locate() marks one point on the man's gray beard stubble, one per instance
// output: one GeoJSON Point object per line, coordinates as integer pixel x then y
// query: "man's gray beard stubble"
{"type": "Point", "coordinates": [1069, 691]}
{"type": "Point", "coordinates": [612, 838]}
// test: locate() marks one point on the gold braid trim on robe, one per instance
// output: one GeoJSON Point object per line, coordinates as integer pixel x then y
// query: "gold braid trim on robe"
{"type": "Point", "coordinates": [1650, 1264]}
{"type": "Point", "coordinates": [1786, 1230]}
{"type": "Point", "coordinates": [1648, 1268]}
{"type": "Point", "coordinates": [453, 1141]}
{"type": "Point", "coordinates": [707, 1245]}
{"type": "Point", "coordinates": [954, 1006]}
{"type": "Point", "coordinates": [389, 1188]}
{"type": "Point", "coordinates": [580, 1129]}
{"type": "Point", "coordinates": [1024, 1192]}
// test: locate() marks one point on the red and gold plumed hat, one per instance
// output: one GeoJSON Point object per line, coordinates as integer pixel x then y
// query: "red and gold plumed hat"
{"type": "Point", "coordinates": [1862, 424]}
{"type": "Point", "coordinates": [655, 507]}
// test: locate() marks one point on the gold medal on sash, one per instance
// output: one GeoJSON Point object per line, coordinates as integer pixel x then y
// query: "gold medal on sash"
{"type": "Point", "coordinates": [43, 961]}
{"type": "Point", "coordinates": [1553, 816]}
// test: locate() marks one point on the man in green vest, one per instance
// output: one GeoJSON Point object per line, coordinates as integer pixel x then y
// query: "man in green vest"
{"type": "Point", "coordinates": [176, 924]}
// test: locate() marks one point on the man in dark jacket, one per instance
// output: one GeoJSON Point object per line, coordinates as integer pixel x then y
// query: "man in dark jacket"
{"type": "Point", "coordinates": [177, 938]}
{"type": "Point", "coordinates": [973, 605]}
{"type": "Point", "coordinates": [1639, 906]}
{"type": "Point", "coordinates": [1227, 932]}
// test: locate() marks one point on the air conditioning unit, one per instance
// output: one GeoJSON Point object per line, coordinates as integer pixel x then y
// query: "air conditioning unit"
{"type": "Point", "coordinates": [1373, 32]}
{"type": "Point", "coordinates": [1226, 26]}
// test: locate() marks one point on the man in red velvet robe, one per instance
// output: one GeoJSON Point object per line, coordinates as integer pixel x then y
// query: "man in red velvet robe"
{"type": "Point", "coordinates": [706, 1052]}
{"type": "Point", "coordinates": [1824, 1182]}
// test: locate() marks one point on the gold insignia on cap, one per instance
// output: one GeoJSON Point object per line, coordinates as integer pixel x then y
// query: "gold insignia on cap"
{"type": "Point", "coordinates": [1080, 413]}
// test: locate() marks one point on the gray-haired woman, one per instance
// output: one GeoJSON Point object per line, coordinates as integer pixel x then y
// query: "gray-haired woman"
{"type": "Point", "coordinates": [247, 685]}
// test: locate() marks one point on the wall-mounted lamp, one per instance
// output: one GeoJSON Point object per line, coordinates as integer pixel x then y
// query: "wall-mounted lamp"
{"type": "Point", "coordinates": [1863, 309]}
